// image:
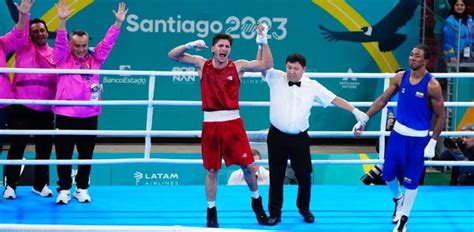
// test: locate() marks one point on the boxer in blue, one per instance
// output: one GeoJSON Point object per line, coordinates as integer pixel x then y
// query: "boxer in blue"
{"type": "Point", "coordinates": [420, 99]}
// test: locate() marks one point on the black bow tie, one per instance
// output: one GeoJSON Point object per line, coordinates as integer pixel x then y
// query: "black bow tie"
{"type": "Point", "coordinates": [291, 83]}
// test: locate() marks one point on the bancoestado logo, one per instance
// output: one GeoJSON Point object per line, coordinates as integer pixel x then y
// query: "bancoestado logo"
{"type": "Point", "coordinates": [237, 27]}
{"type": "Point", "coordinates": [156, 178]}
{"type": "Point", "coordinates": [124, 79]}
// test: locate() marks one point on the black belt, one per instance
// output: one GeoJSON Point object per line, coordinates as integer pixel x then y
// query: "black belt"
{"type": "Point", "coordinates": [274, 129]}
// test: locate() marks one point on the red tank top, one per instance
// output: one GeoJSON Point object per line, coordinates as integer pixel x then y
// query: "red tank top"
{"type": "Point", "coordinates": [220, 87]}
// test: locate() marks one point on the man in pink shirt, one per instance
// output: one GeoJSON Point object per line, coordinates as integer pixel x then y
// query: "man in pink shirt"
{"type": "Point", "coordinates": [75, 54]}
{"type": "Point", "coordinates": [33, 52]}
{"type": "Point", "coordinates": [8, 43]}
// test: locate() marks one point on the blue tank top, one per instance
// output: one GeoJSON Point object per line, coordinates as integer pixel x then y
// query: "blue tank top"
{"type": "Point", "coordinates": [413, 110]}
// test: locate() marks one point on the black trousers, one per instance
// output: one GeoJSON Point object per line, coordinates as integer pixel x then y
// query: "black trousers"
{"type": "Point", "coordinates": [64, 145]}
{"type": "Point", "coordinates": [23, 118]}
{"type": "Point", "coordinates": [282, 146]}
{"type": "Point", "coordinates": [3, 124]}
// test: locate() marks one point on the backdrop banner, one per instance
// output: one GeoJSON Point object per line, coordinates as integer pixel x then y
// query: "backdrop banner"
{"type": "Point", "coordinates": [369, 36]}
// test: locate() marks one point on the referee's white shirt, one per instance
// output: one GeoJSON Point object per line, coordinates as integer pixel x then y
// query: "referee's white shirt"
{"type": "Point", "coordinates": [290, 107]}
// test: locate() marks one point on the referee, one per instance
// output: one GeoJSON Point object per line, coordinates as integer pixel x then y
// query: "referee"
{"type": "Point", "coordinates": [291, 98]}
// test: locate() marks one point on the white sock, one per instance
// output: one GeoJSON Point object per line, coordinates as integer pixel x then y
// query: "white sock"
{"type": "Point", "coordinates": [410, 196]}
{"type": "Point", "coordinates": [211, 204]}
{"type": "Point", "coordinates": [394, 186]}
{"type": "Point", "coordinates": [255, 194]}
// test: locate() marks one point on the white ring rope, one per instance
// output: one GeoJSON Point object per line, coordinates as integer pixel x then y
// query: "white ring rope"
{"type": "Point", "coordinates": [197, 133]}
{"type": "Point", "coordinates": [148, 133]}
{"type": "Point", "coordinates": [194, 73]}
{"type": "Point", "coordinates": [183, 103]}
{"type": "Point", "coordinates": [199, 161]}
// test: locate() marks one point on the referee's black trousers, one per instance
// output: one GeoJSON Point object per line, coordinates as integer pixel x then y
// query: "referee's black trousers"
{"type": "Point", "coordinates": [282, 146]}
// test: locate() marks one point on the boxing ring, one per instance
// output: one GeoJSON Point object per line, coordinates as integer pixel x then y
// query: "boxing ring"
{"type": "Point", "coordinates": [182, 208]}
